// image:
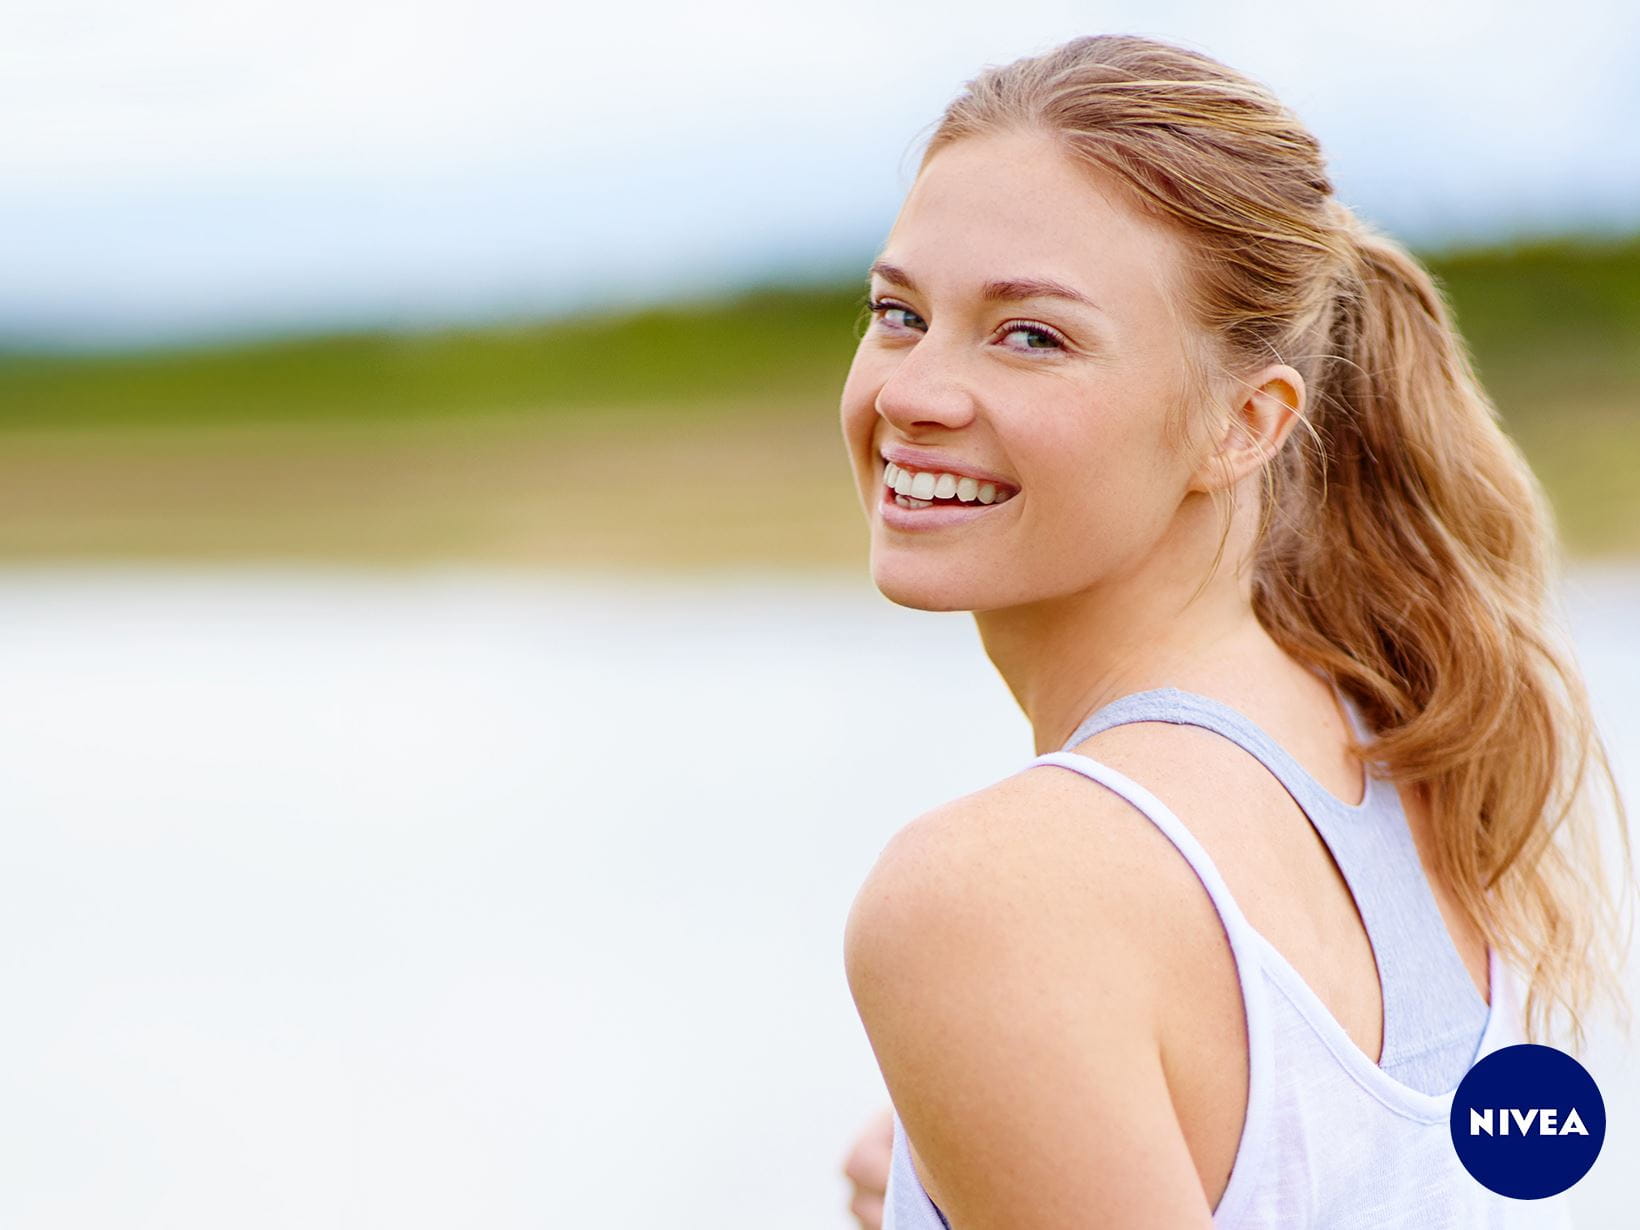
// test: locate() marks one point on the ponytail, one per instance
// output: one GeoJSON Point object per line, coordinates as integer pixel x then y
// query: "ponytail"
{"type": "Point", "coordinates": [1412, 557]}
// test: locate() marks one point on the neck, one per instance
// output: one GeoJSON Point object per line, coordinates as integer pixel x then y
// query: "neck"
{"type": "Point", "coordinates": [1065, 656]}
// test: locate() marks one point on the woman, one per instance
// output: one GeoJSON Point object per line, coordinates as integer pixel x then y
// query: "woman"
{"type": "Point", "coordinates": [1311, 823]}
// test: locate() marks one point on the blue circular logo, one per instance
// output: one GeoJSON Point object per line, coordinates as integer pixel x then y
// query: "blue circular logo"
{"type": "Point", "coordinates": [1528, 1121]}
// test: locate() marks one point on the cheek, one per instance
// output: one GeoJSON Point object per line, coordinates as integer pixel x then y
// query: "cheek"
{"type": "Point", "coordinates": [1104, 486]}
{"type": "Point", "coordinates": [858, 414]}
{"type": "Point", "coordinates": [860, 390]}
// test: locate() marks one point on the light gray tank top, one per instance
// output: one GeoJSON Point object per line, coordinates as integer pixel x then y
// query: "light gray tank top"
{"type": "Point", "coordinates": [1330, 1140]}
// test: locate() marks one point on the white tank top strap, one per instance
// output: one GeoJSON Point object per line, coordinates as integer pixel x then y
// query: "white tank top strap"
{"type": "Point", "coordinates": [1247, 947]}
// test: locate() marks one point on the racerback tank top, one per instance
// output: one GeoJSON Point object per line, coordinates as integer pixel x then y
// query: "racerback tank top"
{"type": "Point", "coordinates": [1331, 1140]}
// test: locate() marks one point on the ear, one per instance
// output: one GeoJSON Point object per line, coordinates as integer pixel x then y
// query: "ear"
{"type": "Point", "coordinates": [1257, 416]}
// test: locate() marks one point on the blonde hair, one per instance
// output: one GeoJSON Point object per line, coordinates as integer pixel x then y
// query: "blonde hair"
{"type": "Point", "coordinates": [1405, 549]}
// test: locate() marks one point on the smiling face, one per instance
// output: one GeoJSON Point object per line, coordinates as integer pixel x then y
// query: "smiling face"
{"type": "Point", "coordinates": [969, 369]}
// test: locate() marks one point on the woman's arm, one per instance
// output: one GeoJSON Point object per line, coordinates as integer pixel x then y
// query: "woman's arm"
{"type": "Point", "coordinates": [1002, 955]}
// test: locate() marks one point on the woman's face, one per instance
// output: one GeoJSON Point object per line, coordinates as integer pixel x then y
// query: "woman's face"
{"type": "Point", "coordinates": [968, 369]}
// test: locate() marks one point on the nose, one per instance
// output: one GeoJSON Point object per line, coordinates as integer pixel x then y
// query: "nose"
{"type": "Point", "coordinates": [926, 388]}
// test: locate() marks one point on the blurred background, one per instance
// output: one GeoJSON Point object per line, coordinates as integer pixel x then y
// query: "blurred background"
{"type": "Point", "coordinates": [444, 746]}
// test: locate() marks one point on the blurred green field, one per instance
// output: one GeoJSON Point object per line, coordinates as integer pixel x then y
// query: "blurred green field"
{"type": "Point", "coordinates": [698, 433]}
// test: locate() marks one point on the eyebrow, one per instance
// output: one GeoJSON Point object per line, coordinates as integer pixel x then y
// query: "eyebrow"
{"type": "Point", "coordinates": [1005, 289]}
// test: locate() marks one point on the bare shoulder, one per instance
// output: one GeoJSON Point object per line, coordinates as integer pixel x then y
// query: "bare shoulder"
{"type": "Point", "coordinates": [1044, 859]}
{"type": "Point", "coordinates": [1029, 820]}
{"type": "Point", "coordinates": [1004, 954]}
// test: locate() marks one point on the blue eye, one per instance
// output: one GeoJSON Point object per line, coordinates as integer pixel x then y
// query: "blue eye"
{"type": "Point", "coordinates": [1034, 328]}
{"type": "Point", "coordinates": [1037, 330]}
{"type": "Point", "coordinates": [881, 310]}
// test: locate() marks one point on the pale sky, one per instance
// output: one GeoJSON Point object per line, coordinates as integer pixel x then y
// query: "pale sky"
{"type": "Point", "coordinates": [189, 167]}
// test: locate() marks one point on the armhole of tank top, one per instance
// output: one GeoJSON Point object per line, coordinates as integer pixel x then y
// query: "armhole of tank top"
{"type": "Point", "coordinates": [916, 1205]}
{"type": "Point", "coordinates": [1246, 950]}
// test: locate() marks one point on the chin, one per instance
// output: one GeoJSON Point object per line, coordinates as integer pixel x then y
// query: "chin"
{"type": "Point", "coordinates": [928, 584]}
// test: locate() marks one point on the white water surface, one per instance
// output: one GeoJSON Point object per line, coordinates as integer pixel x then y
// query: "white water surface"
{"type": "Point", "coordinates": [457, 898]}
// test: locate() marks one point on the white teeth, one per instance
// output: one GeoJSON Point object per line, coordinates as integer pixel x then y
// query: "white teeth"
{"type": "Point", "coordinates": [918, 487]}
{"type": "Point", "coordinates": [905, 501]}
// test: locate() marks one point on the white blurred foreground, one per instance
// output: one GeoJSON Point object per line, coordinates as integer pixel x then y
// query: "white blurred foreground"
{"type": "Point", "coordinates": [461, 899]}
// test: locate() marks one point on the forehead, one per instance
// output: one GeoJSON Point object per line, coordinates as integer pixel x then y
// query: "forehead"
{"type": "Point", "coordinates": [1014, 205]}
